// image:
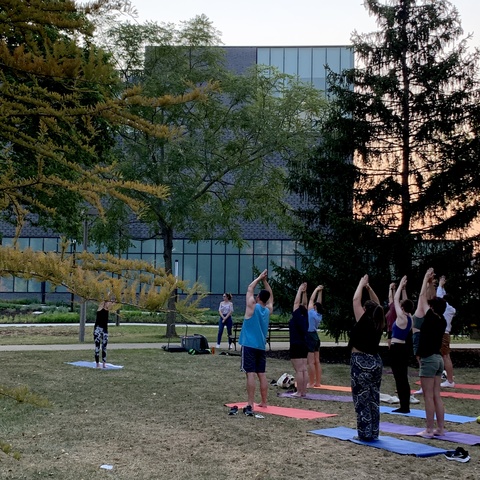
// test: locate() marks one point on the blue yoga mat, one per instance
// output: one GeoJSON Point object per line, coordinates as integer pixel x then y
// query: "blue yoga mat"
{"type": "Point", "coordinates": [421, 414]}
{"type": "Point", "coordinates": [82, 363]}
{"type": "Point", "coordinates": [455, 437]}
{"type": "Point", "coordinates": [403, 447]}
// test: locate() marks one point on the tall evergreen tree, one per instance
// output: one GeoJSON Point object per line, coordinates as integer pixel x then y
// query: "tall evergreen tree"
{"type": "Point", "coordinates": [400, 155]}
{"type": "Point", "coordinates": [414, 133]}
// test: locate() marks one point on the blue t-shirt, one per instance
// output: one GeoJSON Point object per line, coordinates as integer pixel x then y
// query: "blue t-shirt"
{"type": "Point", "coordinates": [314, 320]}
{"type": "Point", "coordinates": [255, 329]}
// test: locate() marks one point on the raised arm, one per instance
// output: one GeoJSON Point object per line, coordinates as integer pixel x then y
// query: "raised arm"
{"type": "Point", "coordinates": [441, 287]}
{"type": "Point", "coordinates": [250, 295]}
{"type": "Point", "coordinates": [316, 296]}
{"type": "Point", "coordinates": [401, 317]}
{"type": "Point", "coordinates": [357, 298]}
{"type": "Point", "coordinates": [299, 296]}
{"type": "Point", "coordinates": [391, 292]}
{"type": "Point", "coordinates": [372, 294]}
{"type": "Point", "coordinates": [266, 285]}
{"type": "Point", "coordinates": [422, 305]}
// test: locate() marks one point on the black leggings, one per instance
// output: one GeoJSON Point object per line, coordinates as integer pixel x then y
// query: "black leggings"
{"type": "Point", "coordinates": [399, 362]}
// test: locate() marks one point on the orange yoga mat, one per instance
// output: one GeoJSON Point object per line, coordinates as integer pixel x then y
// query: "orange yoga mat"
{"type": "Point", "coordinates": [463, 386]}
{"type": "Point", "coordinates": [335, 388]}
{"type": "Point", "coordinates": [283, 411]}
{"type": "Point", "coordinates": [467, 396]}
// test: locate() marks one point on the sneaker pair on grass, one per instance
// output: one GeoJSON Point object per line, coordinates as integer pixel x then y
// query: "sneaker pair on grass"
{"type": "Point", "coordinates": [248, 411]}
{"type": "Point", "coordinates": [459, 455]}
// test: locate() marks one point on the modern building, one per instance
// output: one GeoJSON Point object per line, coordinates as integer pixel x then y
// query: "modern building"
{"type": "Point", "coordinates": [218, 266]}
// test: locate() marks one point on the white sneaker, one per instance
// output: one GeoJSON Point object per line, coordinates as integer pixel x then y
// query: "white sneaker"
{"type": "Point", "coordinates": [230, 347]}
{"type": "Point", "coordinates": [414, 400]}
{"type": "Point", "coordinates": [217, 345]}
{"type": "Point", "coordinates": [418, 392]}
{"type": "Point", "coordinates": [447, 384]}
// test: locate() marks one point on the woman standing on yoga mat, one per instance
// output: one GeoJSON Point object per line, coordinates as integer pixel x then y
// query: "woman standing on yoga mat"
{"type": "Point", "coordinates": [100, 332]}
{"type": "Point", "coordinates": [365, 362]}
{"type": "Point", "coordinates": [298, 329]}
{"type": "Point", "coordinates": [315, 316]}
{"type": "Point", "coordinates": [428, 329]}
{"type": "Point", "coordinates": [400, 347]}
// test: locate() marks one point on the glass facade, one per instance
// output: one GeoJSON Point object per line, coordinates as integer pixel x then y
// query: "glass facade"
{"type": "Point", "coordinates": [308, 63]}
{"type": "Point", "coordinates": [218, 267]}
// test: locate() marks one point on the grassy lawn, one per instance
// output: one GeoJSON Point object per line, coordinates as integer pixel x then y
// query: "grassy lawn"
{"type": "Point", "coordinates": [163, 417]}
{"type": "Point", "coordinates": [124, 333]}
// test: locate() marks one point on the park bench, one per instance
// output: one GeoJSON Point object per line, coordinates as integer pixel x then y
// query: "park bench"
{"type": "Point", "coordinates": [277, 331]}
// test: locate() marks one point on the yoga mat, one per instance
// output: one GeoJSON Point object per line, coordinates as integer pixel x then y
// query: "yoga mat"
{"type": "Point", "coordinates": [335, 388]}
{"type": "Point", "coordinates": [403, 447]}
{"type": "Point", "coordinates": [455, 437]}
{"type": "Point", "coordinates": [94, 365]}
{"type": "Point", "coordinates": [465, 386]}
{"type": "Point", "coordinates": [319, 396]}
{"type": "Point", "coordinates": [421, 414]}
{"type": "Point", "coordinates": [466, 396]}
{"type": "Point", "coordinates": [284, 411]}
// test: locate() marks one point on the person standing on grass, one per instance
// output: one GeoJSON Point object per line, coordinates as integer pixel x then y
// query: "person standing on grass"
{"type": "Point", "coordinates": [429, 327]}
{"type": "Point", "coordinates": [253, 338]}
{"type": "Point", "coordinates": [315, 315]}
{"type": "Point", "coordinates": [100, 332]}
{"type": "Point", "coordinates": [399, 346]}
{"type": "Point", "coordinates": [225, 310]}
{"type": "Point", "coordinates": [298, 329]}
{"type": "Point", "coordinates": [445, 351]}
{"type": "Point", "coordinates": [365, 362]}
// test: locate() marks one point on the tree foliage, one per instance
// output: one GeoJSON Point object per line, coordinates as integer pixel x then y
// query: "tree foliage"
{"type": "Point", "coordinates": [62, 105]}
{"type": "Point", "coordinates": [224, 166]}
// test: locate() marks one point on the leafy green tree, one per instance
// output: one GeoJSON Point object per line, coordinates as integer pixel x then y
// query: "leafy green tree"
{"type": "Point", "coordinates": [225, 164]}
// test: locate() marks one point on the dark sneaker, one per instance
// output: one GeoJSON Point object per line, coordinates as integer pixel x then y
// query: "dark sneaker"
{"type": "Point", "coordinates": [459, 455]}
{"type": "Point", "coordinates": [248, 410]}
{"type": "Point", "coordinates": [233, 410]}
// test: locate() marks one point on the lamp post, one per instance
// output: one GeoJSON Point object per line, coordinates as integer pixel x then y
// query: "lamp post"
{"type": "Point", "coordinates": [83, 303]}
{"type": "Point", "coordinates": [74, 251]}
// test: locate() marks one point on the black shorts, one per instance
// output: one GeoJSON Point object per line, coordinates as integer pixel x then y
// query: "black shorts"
{"type": "Point", "coordinates": [313, 342]}
{"type": "Point", "coordinates": [254, 360]}
{"type": "Point", "coordinates": [298, 351]}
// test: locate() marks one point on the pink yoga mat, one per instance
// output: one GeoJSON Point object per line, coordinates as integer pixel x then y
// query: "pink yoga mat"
{"type": "Point", "coordinates": [284, 411]}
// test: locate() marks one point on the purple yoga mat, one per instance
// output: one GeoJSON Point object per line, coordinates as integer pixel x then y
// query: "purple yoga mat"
{"type": "Point", "coordinates": [455, 437]}
{"type": "Point", "coordinates": [320, 396]}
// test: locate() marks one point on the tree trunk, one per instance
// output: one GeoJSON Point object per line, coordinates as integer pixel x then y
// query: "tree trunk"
{"type": "Point", "coordinates": [167, 235]}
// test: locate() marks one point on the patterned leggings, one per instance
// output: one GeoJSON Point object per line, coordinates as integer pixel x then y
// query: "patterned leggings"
{"type": "Point", "coordinates": [366, 377]}
{"type": "Point", "coordinates": [101, 340]}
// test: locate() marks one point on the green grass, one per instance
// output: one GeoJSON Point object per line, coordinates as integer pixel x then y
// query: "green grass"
{"type": "Point", "coordinates": [163, 417]}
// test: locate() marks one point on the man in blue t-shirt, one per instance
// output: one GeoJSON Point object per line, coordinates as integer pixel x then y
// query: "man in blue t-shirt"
{"type": "Point", "coordinates": [253, 338]}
